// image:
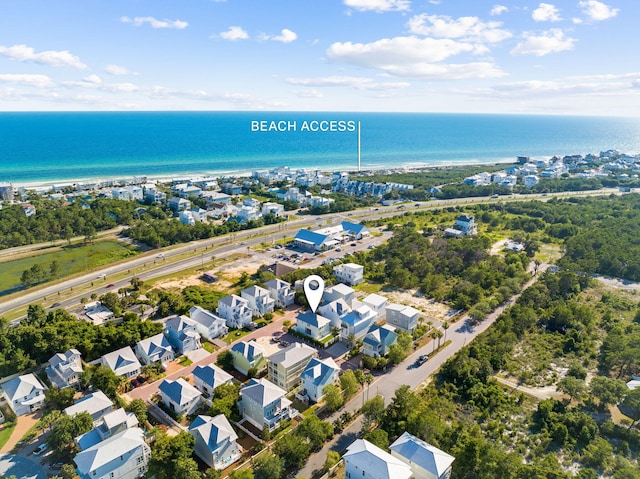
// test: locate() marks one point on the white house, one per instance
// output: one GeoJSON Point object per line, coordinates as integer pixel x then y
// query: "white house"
{"type": "Point", "coordinates": [208, 324]}
{"type": "Point", "coordinates": [356, 324]}
{"type": "Point", "coordinates": [275, 209]}
{"type": "Point", "coordinates": [466, 224]}
{"type": "Point", "coordinates": [247, 213]}
{"type": "Point", "coordinates": [318, 374]}
{"type": "Point", "coordinates": [123, 456]}
{"type": "Point", "coordinates": [402, 317]}
{"type": "Point", "coordinates": [235, 311]}
{"type": "Point", "coordinates": [155, 349]}
{"type": "Point", "coordinates": [426, 461]}
{"type": "Point", "coordinates": [24, 394]}
{"type": "Point", "coordinates": [215, 441]}
{"type": "Point", "coordinates": [339, 291]}
{"type": "Point", "coordinates": [313, 325]}
{"type": "Point", "coordinates": [182, 333]}
{"type": "Point", "coordinates": [262, 403]}
{"type": "Point", "coordinates": [259, 300]}
{"type": "Point", "coordinates": [281, 292]}
{"type": "Point", "coordinates": [178, 204]}
{"type": "Point", "coordinates": [530, 181]}
{"type": "Point", "coordinates": [64, 369]}
{"type": "Point", "coordinates": [207, 378]}
{"type": "Point", "coordinates": [368, 461]}
{"type": "Point", "coordinates": [377, 303]}
{"type": "Point", "coordinates": [97, 404]}
{"type": "Point", "coordinates": [335, 311]}
{"type": "Point", "coordinates": [179, 396]}
{"type": "Point", "coordinates": [123, 362]}
{"type": "Point", "coordinates": [349, 273]}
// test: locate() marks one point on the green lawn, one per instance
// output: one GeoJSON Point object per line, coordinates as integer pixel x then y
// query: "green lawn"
{"type": "Point", "coordinates": [71, 260]}
{"type": "Point", "coordinates": [5, 432]}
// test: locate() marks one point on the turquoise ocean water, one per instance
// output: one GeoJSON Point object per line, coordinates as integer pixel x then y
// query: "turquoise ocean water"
{"type": "Point", "coordinates": [58, 147]}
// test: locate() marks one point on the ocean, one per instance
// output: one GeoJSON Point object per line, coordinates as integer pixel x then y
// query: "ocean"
{"type": "Point", "coordinates": [49, 147]}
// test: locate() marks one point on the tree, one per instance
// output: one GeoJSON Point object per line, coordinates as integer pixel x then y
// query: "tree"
{"type": "Point", "coordinates": [225, 360]}
{"type": "Point", "coordinates": [267, 466]}
{"type": "Point", "coordinates": [379, 437]}
{"type": "Point", "coordinates": [241, 474]}
{"type": "Point", "coordinates": [225, 401]}
{"type": "Point", "coordinates": [316, 431]}
{"type": "Point", "coordinates": [349, 384]}
{"type": "Point", "coordinates": [396, 354]}
{"type": "Point", "coordinates": [56, 398]}
{"type": "Point", "coordinates": [67, 471]}
{"type": "Point", "coordinates": [293, 450]}
{"type": "Point", "coordinates": [212, 473]}
{"type": "Point", "coordinates": [66, 429]}
{"type": "Point", "coordinates": [436, 334]}
{"type": "Point", "coordinates": [333, 457]}
{"type": "Point", "coordinates": [171, 456]}
{"type": "Point", "coordinates": [106, 380]}
{"type": "Point", "coordinates": [574, 387]}
{"type": "Point", "coordinates": [630, 406]}
{"type": "Point", "coordinates": [373, 411]}
{"type": "Point", "coordinates": [139, 408]}
{"type": "Point", "coordinates": [607, 390]}
{"type": "Point", "coordinates": [333, 397]}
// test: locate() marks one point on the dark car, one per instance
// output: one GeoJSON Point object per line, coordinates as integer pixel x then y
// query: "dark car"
{"type": "Point", "coordinates": [422, 359]}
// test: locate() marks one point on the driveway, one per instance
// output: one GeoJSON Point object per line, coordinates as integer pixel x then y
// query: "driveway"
{"type": "Point", "coordinates": [24, 423]}
{"type": "Point", "coordinates": [20, 467]}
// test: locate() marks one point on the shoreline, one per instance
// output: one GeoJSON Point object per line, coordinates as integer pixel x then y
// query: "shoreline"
{"type": "Point", "coordinates": [168, 178]}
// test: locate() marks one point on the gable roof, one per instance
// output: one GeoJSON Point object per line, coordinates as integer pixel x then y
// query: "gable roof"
{"type": "Point", "coordinates": [353, 228]}
{"type": "Point", "coordinates": [422, 453]}
{"type": "Point", "coordinates": [204, 317]}
{"type": "Point", "coordinates": [232, 300]}
{"type": "Point", "coordinates": [179, 323]}
{"type": "Point", "coordinates": [292, 354]}
{"type": "Point", "coordinates": [255, 291]}
{"type": "Point", "coordinates": [122, 361]}
{"type": "Point", "coordinates": [277, 284]}
{"type": "Point", "coordinates": [380, 335]}
{"type": "Point", "coordinates": [155, 345]}
{"type": "Point", "coordinates": [179, 391]}
{"type": "Point", "coordinates": [249, 349]}
{"type": "Point", "coordinates": [378, 463]}
{"type": "Point", "coordinates": [213, 431]}
{"type": "Point", "coordinates": [312, 319]}
{"type": "Point", "coordinates": [339, 306]}
{"type": "Point", "coordinates": [92, 404]}
{"type": "Point", "coordinates": [22, 386]}
{"type": "Point", "coordinates": [320, 371]}
{"type": "Point", "coordinates": [311, 237]}
{"type": "Point", "coordinates": [264, 392]}
{"type": "Point", "coordinates": [108, 450]}
{"type": "Point", "coordinates": [212, 375]}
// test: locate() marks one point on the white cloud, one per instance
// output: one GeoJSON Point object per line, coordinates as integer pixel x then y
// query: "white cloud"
{"type": "Point", "coordinates": [498, 10]}
{"type": "Point", "coordinates": [40, 81]}
{"type": "Point", "coordinates": [234, 33]}
{"type": "Point", "coordinates": [463, 28]}
{"type": "Point", "coordinates": [51, 58]}
{"type": "Point", "coordinates": [309, 93]}
{"type": "Point", "coordinates": [379, 5]}
{"type": "Point", "coordinates": [597, 11]}
{"type": "Point", "coordinates": [359, 83]}
{"type": "Point", "coordinates": [546, 12]}
{"type": "Point", "coordinates": [118, 70]}
{"type": "Point", "coordinates": [551, 41]}
{"type": "Point", "coordinates": [155, 23]}
{"type": "Point", "coordinates": [286, 36]}
{"type": "Point", "coordinates": [93, 78]}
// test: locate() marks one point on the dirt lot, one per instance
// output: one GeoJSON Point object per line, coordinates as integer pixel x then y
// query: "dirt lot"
{"type": "Point", "coordinates": [429, 307]}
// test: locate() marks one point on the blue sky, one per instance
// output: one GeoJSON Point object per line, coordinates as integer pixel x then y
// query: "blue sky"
{"type": "Point", "coordinates": [556, 57]}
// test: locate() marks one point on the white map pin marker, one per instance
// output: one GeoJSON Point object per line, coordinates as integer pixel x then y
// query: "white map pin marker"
{"type": "Point", "coordinates": [313, 290]}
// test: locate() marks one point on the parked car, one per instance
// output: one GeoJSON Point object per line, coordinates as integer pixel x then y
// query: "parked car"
{"type": "Point", "coordinates": [41, 448]}
{"type": "Point", "coordinates": [284, 343]}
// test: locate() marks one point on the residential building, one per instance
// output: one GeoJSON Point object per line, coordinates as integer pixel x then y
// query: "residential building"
{"type": "Point", "coordinates": [235, 311]}
{"type": "Point", "coordinates": [276, 209]}
{"type": "Point", "coordinates": [187, 217]}
{"type": "Point", "coordinates": [207, 378]}
{"type": "Point", "coordinates": [123, 362]}
{"type": "Point", "coordinates": [262, 403]}
{"type": "Point", "coordinates": [97, 404]}
{"type": "Point", "coordinates": [339, 291]}
{"type": "Point", "coordinates": [356, 324]}
{"type": "Point", "coordinates": [466, 224]}
{"type": "Point", "coordinates": [182, 333]}
{"type": "Point", "coordinates": [177, 204]}
{"type": "Point", "coordinates": [97, 312]}
{"type": "Point", "coordinates": [248, 355]}
{"type": "Point", "coordinates": [281, 292]}
{"type": "Point", "coordinates": [109, 425]}
{"type": "Point", "coordinates": [6, 191]}
{"type": "Point", "coordinates": [208, 325]}
{"type": "Point", "coordinates": [530, 181]}
{"type": "Point", "coordinates": [426, 461]}
{"type": "Point", "coordinates": [402, 317]}
{"type": "Point", "coordinates": [24, 394]}
{"type": "Point", "coordinates": [335, 311]}
{"type": "Point", "coordinates": [259, 300]}
{"type": "Point", "coordinates": [377, 303]}
{"type": "Point", "coordinates": [64, 369]}
{"type": "Point", "coordinates": [155, 196]}
{"type": "Point", "coordinates": [318, 374]}
{"type": "Point", "coordinates": [179, 396]}
{"type": "Point", "coordinates": [313, 325]}
{"type": "Point", "coordinates": [286, 366]}
{"type": "Point", "coordinates": [247, 213]}
{"type": "Point", "coordinates": [216, 441]}
{"type": "Point", "coordinates": [123, 456]}
{"type": "Point", "coordinates": [368, 461]}
{"type": "Point", "coordinates": [155, 349]}
{"type": "Point", "coordinates": [349, 273]}
{"type": "Point", "coordinates": [377, 341]}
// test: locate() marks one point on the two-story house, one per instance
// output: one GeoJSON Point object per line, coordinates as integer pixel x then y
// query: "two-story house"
{"type": "Point", "coordinates": [182, 333]}
{"type": "Point", "coordinates": [356, 324]}
{"type": "Point", "coordinates": [248, 355]}
{"type": "Point", "coordinates": [262, 403]}
{"type": "Point", "coordinates": [179, 396]}
{"type": "Point", "coordinates": [402, 317]}
{"type": "Point", "coordinates": [286, 365]}
{"type": "Point", "coordinates": [259, 300]}
{"type": "Point", "coordinates": [281, 292]}
{"type": "Point", "coordinates": [207, 378]}
{"type": "Point", "coordinates": [235, 311]}
{"type": "Point", "coordinates": [123, 362]}
{"type": "Point", "coordinates": [209, 325]}
{"type": "Point", "coordinates": [97, 404]}
{"type": "Point", "coordinates": [65, 368]}
{"type": "Point", "coordinates": [377, 341]}
{"type": "Point", "coordinates": [216, 441]}
{"type": "Point", "coordinates": [349, 273]}
{"type": "Point", "coordinates": [313, 325]}
{"type": "Point", "coordinates": [24, 394]}
{"type": "Point", "coordinates": [317, 375]}
{"type": "Point", "coordinates": [155, 349]}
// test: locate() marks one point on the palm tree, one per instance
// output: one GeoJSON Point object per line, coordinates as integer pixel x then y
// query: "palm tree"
{"type": "Point", "coordinates": [445, 326]}
{"type": "Point", "coordinates": [436, 333]}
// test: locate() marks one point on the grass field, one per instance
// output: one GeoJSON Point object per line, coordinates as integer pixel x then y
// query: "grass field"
{"type": "Point", "coordinates": [5, 432]}
{"type": "Point", "coordinates": [71, 260]}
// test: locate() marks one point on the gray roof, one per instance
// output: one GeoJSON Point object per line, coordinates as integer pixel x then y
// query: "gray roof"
{"type": "Point", "coordinates": [276, 284]}
{"type": "Point", "coordinates": [369, 457]}
{"type": "Point", "coordinates": [264, 392]}
{"type": "Point", "coordinates": [212, 375]}
{"type": "Point", "coordinates": [92, 403]}
{"type": "Point", "coordinates": [22, 386]}
{"type": "Point", "coordinates": [122, 361]}
{"type": "Point", "coordinates": [422, 453]}
{"type": "Point", "coordinates": [255, 291]}
{"type": "Point", "coordinates": [292, 354]}
{"type": "Point", "coordinates": [108, 450]}
{"type": "Point", "coordinates": [204, 317]}
{"type": "Point", "coordinates": [212, 430]}
{"type": "Point", "coordinates": [232, 300]}
{"type": "Point", "coordinates": [178, 391]}
{"type": "Point", "coordinates": [179, 323]}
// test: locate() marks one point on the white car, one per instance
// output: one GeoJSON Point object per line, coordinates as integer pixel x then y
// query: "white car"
{"type": "Point", "coordinates": [41, 448]}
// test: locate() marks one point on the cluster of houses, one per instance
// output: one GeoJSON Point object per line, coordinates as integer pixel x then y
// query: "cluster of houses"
{"type": "Point", "coordinates": [342, 184]}
{"type": "Point", "coordinates": [329, 238]}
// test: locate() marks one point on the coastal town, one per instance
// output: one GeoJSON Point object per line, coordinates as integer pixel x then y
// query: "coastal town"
{"type": "Point", "coordinates": [221, 368]}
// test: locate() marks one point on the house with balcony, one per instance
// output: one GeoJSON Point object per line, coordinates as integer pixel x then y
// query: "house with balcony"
{"type": "Point", "coordinates": [182, 333]}
{"type": "Point", "coordinates": [122, 362]}
{"type": "Point", "coordinates": [65, 368]}
{"type": "Point", "coordinates": [356, 324]}
{"type": "Point", "coordinates": [402, 317]}
{"type": "Point", "coordinates": [368, 461]}
{"type": "Point", "coordinates": [317, 375]}
{"type": "Point", "coordinates": [207, 378]}
{"type": "Point", "coordinates": [123, 456]}
{"type": "Point", "coordinates": [262, 403]}
{"type": "Point", "coordinates": [248, 355]}
{"type": "Point", "coordinates": [377, 341]}
{"type": "Point", "coordinates": [155, 349]}
{"type": "Point", "coordinates": [235, 311]}
{"type": "Point", "coordinates": [281, 292]}
{"type": "Point", "coordinates": [179, 396]}
{"type": "Point", "coordinates": [208, 325]}
{"type": "Point", "coordinates": [109, 425]}
{"type": "Point", "coordinates": [425, 460]}
{"type": "Point", "coordinates": [349, 273]}
{"type": "Point", "coordinates": [334, 311]}
{"type": "Point", "coordinates": [259, 300]}
{"type": "Point", "coordinates": [216, 441]}
{"type": "Point", "coordinates": [24, 394]}
{"type": "Point", "coordinates": [286, 365]}
{"type": "Point", "coordinates": [275, 209]}
{"type": "Point", "coordinates": [313, 325]}
{"type": "Point", "coordinates": [97, 404]}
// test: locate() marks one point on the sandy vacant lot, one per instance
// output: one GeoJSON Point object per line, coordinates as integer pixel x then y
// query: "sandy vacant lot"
{"type": "Point", "coordinates": [429, 307]}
